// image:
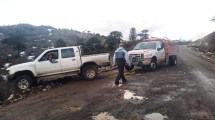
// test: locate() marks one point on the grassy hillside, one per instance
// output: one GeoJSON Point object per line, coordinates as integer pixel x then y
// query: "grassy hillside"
{"type": "Point", "coordinates": [45, 34]}
{"type": "Point", "coordinates": [38, 38]}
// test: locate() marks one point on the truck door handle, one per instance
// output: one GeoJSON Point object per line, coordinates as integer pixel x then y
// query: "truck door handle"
{"type": "Point", "coordinates": [73, 59]}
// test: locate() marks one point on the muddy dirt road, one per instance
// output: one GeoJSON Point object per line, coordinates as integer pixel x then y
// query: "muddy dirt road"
{"type": "Point", "coordinates": [182, 92]}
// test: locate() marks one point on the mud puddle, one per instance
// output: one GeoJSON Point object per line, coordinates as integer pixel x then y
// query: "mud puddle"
{"type": "Point", "coordinates": [128, 95]}
{"type": "Point", "coordinates": [104, 116]}
{"type": "Point", "coordinates": [155, 116]}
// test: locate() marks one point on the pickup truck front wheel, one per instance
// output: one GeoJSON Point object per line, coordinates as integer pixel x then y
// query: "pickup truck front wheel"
{"type": "Point", "coordinates": [23, 82]}
{"type": "Point", "coordinates": [89, 72]}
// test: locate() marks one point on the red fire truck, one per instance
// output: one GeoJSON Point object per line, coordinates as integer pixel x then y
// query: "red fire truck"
{"type": "Point", "coordinates": [154, 51]}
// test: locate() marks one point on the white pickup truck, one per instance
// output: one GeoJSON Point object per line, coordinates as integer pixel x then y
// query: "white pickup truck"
{"type": "Point", "coordinates": [151, 53]}
{"type": "Point", "coordinates": [57, 63]}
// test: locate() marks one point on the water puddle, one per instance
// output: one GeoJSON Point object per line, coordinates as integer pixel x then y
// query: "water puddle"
{"type": "Point", "coordinates": [155, 116]}
{"type": "Point", "coordinates": [130, 95]}
{"type": "Point", "coordinates": [104, 116]}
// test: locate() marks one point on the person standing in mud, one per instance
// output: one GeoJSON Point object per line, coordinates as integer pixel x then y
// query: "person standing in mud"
{"type": "Point", "coordinates": [120, 58]}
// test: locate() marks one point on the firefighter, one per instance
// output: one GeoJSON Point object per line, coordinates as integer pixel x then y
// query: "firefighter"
{"type": "Point", "coordinates": [120, 59]}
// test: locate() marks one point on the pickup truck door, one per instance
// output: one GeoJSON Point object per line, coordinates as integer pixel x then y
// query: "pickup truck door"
{"type": "Point", "coordinates": [70, 59]}
{"type": "Point", "coordinates": [160, 52]}
{"type": "Point", "coordinates": [45, 67]}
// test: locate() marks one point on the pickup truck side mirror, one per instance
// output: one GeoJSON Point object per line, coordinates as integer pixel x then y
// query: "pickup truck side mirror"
{"type": "Point", "coordinates": [162, 45]}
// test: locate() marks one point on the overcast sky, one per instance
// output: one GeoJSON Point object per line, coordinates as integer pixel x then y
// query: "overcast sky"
{"type": "Point", "coordinates": [186, 19]}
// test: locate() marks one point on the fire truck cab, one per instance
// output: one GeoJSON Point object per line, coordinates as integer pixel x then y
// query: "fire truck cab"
{"type": "Point", "coordinates": [152, 52]}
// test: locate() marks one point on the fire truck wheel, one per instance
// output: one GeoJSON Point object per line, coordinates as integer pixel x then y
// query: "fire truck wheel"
{"type": "Point", "coordinates": [153, 65]}
{"type": "Point", "coordinates": [172, 60]}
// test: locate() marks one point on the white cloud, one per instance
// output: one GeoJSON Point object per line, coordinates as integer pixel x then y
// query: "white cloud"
{"type": "Point", "coordinates": [166, 18]}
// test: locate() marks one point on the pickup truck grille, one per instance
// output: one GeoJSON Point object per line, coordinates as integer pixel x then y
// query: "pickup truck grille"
{"type": "Point", "coordinates": [136, 57]}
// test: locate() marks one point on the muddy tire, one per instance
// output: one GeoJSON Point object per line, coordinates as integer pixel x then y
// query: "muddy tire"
{"type": "Point", "coordinates": [153, 65]}
{"type": "Point", "coordinates": [89, 72]}
{"type": "Point", "coordinates": [23, 82]}
{"type": "Point", "coordinates": [172, 60]}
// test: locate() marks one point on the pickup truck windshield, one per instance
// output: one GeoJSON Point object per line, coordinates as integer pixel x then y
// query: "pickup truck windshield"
{"type": "Point", "coordinates": [145, 45]}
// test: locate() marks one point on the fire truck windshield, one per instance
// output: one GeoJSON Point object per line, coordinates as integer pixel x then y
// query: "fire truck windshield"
{"type": "Point", "coordinates": [145, 45]}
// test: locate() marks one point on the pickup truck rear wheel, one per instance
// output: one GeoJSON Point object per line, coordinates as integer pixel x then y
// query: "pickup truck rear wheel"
{"type": "Point", "coordinates": [90, 72]}
{"type": "Point", "coordinates": [23, 82]}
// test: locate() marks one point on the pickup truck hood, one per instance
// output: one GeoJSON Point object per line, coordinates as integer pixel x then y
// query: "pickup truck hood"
{"type": "Point", "coordinates": [21, 66]}
{"type": "Point", "coordinates": [147, 51]}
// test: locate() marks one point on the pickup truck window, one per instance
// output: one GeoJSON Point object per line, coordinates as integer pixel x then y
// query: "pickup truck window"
{"type": "Point", "coordinates": [145, 45]}
{"type": "Point", "coordinates": [67, 53]}
{"type": "Point", "coordinates": [52, 53]}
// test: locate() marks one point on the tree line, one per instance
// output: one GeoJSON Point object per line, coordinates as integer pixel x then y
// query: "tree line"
{"type": "Point", "coordinates": [27, 36]}
{"type": "Point", "coordinates": [18, 41]}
